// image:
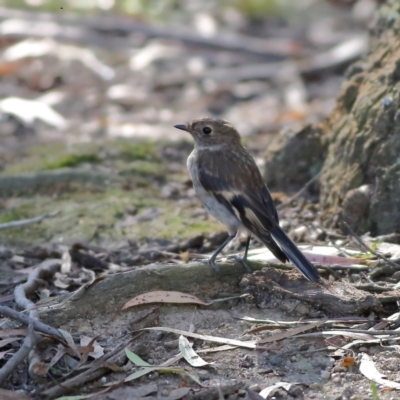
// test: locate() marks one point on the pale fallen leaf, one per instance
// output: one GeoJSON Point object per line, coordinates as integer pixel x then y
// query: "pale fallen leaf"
{"type": "Point", "coordinates": [30, 110]}
{"type": "Point", "coordinates": [9, 395]}
{"type": "Point", "coordinates": [291, 332]}
{"type": "Point", "coordinates": [325, 255]}
{"type": "Point", "coordinates": [5, 333]}
{"type": "Point", "coordinates": [368, 369]}
{"type": "Point", "coordinates": [3, 353]}
{"type": "Point", "coordinates": [66, 264]}
{"type": "Point", "coordinates": [5, 342]}
{"type": "Point", "coordinates": [162, 296]}
{"type": "Point", "coordinates": [207, 338]}
{"type": "Point", "coordinates": [147, 368]}
{"type": "Point", "coordinates": [353, 335]}
{"type": "Point", "coordinates": [97, 352]}
{"type": "Point", "coordinates": [70, 341]}
{"type": "Point", "coordinates": [31, 48]}
{"type": "Point", "coordinates": [189, 354]}
{"type": "Point", "coordinates": [270, 390]}
{"type": "Point", "coordinates": [185, 256]}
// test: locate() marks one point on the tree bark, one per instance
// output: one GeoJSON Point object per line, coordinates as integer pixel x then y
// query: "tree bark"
{"type": "Point", "coordinates": [360, 180]}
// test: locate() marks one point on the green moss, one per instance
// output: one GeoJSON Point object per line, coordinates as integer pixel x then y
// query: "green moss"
{"type": "Point", "coordinates": [85, 213]}
{"type": "Point", "coordinates": [16, 214]}
{"type": "Point", "coordinates": [139, 150]}
{"type": "Point", "coordinates": [144, 168]}
{"type": "Point", "coordinates": [71, 160]}
{"type": "Point", "coordinates": [258, 8]}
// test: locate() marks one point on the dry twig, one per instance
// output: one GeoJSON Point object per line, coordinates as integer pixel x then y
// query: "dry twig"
{"type": "Point", "coordinates": [366, 247]}
{"type": "Point", "coordinates": [19, 357]}
{"type": "Point", "coordinates": [15, 224]}
{"type": "Point", "coordinates": [45, 270]}
{"type": "Point", "coordinates": [38, 325]}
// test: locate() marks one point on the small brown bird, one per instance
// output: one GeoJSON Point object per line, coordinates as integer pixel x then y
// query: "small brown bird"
{"type": "Point", "coordinates": [230, 186]}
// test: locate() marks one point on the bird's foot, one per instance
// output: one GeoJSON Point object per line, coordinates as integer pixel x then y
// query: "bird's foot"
{"type": "Point", "coordinates": [243, 260]}
{"type": "Point", "coordinates": [208, 261]}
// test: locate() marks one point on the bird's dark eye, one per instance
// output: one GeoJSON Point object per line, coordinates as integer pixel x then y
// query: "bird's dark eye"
{"type": "Point", "coordinates": [207, 130]}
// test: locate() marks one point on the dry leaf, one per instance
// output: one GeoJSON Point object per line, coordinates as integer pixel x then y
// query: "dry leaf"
{"type": "Point", "coordinates": [185, 256]}
{"type": "Point", "coordinates": [368, 369]}
{"type": "Point", "coordinates": [3, 353]}
{"type": "Point", "coordinates": [91, 346]}
{"type": "Point", "coordinates": [269, 391]}
{"type": "Point", "coordinates": [162, 296]}
{"type": "Point", "coordinates": [207, 338]}
{"type": "Point", "coordinates": [9, 395]}
{"type": "Point", "coordinates": [5, 342]}
{"type": "Point", "coordinates": [347, 362]}
{"type": "Point", "coordinates": [291, 332]}
{"type": "Point", "coordinates": [189, 354]}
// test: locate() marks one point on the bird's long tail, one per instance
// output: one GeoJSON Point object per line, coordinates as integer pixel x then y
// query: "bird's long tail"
{"type": "Point", "coordinates": [294, 254]}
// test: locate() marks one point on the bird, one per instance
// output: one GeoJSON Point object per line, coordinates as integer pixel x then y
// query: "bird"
{"type": "Point", "coordinates": [230, 186]}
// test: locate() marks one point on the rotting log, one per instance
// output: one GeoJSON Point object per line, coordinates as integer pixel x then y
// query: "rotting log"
{"type": "Point", "coordinates": [106, 297]}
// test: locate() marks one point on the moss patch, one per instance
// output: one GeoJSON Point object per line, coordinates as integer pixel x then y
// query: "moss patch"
{"type": "Point", "coordinates": [100, 215]}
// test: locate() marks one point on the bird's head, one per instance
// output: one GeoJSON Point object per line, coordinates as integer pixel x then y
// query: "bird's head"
{"type": "Point", "coordinates": [209, 132]}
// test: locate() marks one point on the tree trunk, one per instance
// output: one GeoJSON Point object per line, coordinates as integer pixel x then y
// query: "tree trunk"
{"type": "Point", "coordinates": [358, 147]}
{"type": "Point", "coordinates": [360, 181]}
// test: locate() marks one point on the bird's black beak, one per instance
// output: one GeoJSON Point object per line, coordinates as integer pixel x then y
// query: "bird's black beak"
{"type": "Point", "coordinates": [181, 127]}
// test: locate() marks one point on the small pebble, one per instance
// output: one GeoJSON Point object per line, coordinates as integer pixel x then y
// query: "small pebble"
{"type": "Point", "coordinates": [293, 359]}
{"type": "Point", "coordinates": [363, 350]}
{"type": "Point", "coordinates": [315, 386]}
{"type": "Point", "coordinates": [255, 387]}
{"type": "Point", "coordinates": [339, 369]}
{"type": "Point", "coordinates": [173, 344]}
{"type": "Point", "coordinates": [325, 375]}
{"type": "Point", "coordinates": [165, 392]}
{"type": "Point", "coordinates": [349, 377]}
{"type": "Point", "coordinates": [337, 379]}
{"type": "Point", "coordinates": [203, 374]}
{"type": "Point", "coordinates": [247, 362]}
{"type": "Point", "coordinates": [355, 397]}
{"type": "Point", "coordinates": [386, 101]}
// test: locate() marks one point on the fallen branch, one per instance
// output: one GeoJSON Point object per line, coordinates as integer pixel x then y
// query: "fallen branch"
{"type": "Point", "coordinates": [99, 368]}
{"type": "Point", "coordinates": [38, 325]}
{"type": "Point", "coordinates": [366, 247]}
{"type": "Point", "coordinates": [21, 355]}
{"type": "Point", "coordinates": [45, 270]}
{"type": "Point", "coordinates": [372, 287]}
{"type": "Point", "coordinates": [272, 48]}
{"type": "Point", "coordinates": [312, 65]}
{"type": "Point", "coordinates": [22, 222]}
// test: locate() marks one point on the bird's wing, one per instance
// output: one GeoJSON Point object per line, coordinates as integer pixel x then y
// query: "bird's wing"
{"type": "Point", "coordinates": [235, 180]}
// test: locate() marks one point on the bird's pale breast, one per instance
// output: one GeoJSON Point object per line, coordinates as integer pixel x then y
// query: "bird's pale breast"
{"type": "Point", "coordinates": [210, 203]}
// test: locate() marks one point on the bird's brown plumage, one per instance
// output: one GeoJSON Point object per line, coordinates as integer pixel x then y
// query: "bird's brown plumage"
{"type": "Point", "coordinates": [230, 185]}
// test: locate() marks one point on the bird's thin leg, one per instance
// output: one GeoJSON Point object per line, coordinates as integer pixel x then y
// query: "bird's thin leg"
{"type": "Point", "coordinates": [243, 259]}
{"type": "Point", "coordinates": [220, 248]}
{"type": "Point", "coordinates": [247, 248]}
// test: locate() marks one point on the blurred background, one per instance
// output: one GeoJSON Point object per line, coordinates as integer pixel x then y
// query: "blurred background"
{"type": "Point", "coordinates": [90, 90]}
